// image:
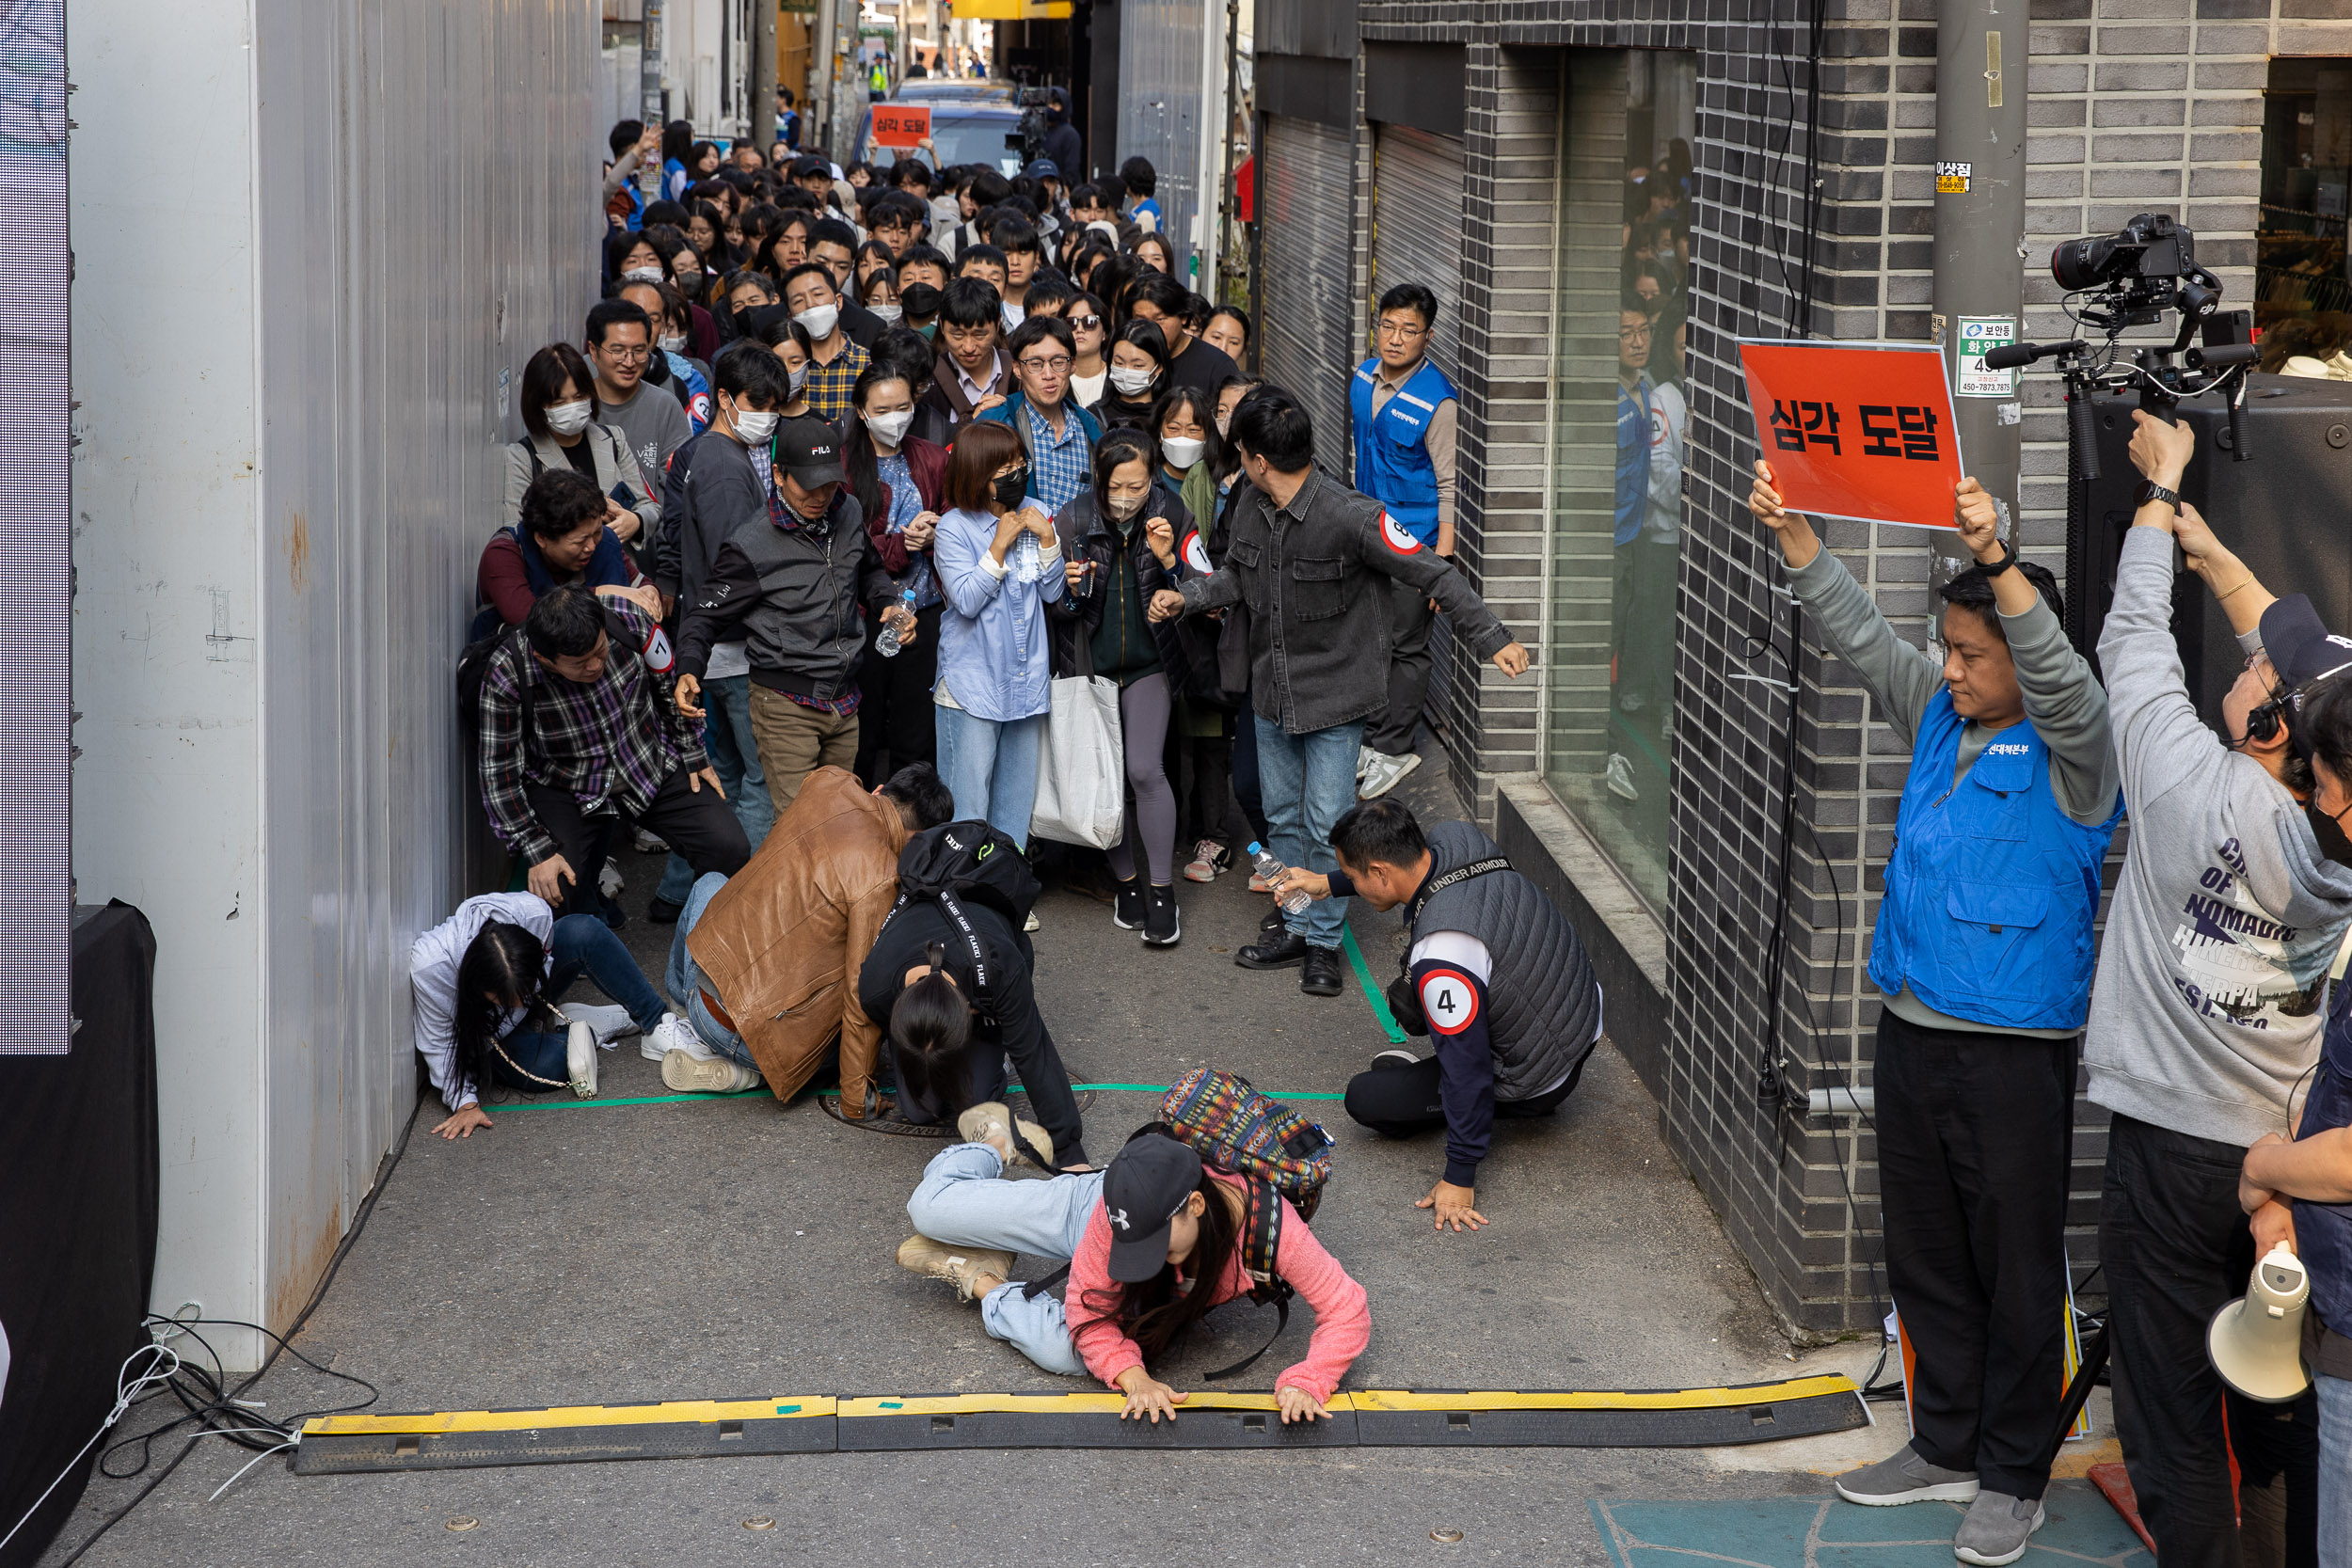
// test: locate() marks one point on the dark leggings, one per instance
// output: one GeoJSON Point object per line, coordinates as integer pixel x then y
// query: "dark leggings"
{"type": "Point", "coordinates": [1143, 709]}
{"type": "Point", "coordinates": [1398, 1101]}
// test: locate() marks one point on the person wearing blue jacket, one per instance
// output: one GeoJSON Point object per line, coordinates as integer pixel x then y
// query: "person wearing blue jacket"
{"type": "Point", "coordinates": [1983, 952]}
{"type": "Point", "coordinates": [1057, 435]}
{"type": "Point", "coordinates": [1402, 411]}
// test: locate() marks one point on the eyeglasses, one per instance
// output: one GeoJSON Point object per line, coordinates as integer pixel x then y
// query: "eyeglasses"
{"type": "Point", "coordinates": [1086, 323]}
{"type": "Point", "coordinates": [636, 356]}
{"type": "Point", "coordinates": [1408, 331]}
{"type": "Point", "coordinates": [1055, 366]}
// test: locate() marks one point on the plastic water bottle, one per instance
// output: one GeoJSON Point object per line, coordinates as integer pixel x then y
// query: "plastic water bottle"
{"type": "Point", "coordinates": [886, 642]}
{"type": "Point", "coordinates": [1024, 558]}
{"type": "Point", "coordinates": [1262, 861]}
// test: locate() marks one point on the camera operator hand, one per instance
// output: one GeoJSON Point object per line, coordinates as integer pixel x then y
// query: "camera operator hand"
{"type": "Point", "coordinates": [2236, 589]}
{"type": "Point", "coordinates": [2160, 451]}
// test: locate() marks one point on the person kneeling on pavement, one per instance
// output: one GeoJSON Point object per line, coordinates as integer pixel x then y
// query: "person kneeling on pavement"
{"type": "Point", "coordinates": [1492, 970]}
{"type": "Point", "coordinates": [484, 981]}
{"type": "Point", "coordinates": [951, 971]}
{"type": "Point", "coordinates": [761, 967]}
{"type": "Point", "coordinates": [1153, 1242]}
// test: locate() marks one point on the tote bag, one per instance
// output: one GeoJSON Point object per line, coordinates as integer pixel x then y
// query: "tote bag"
{"type": "Point", "coordinates": [1082, 777]}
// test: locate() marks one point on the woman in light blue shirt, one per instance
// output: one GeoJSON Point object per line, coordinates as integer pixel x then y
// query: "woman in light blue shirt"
{"type": "Point", "coordinates": [998, 561]}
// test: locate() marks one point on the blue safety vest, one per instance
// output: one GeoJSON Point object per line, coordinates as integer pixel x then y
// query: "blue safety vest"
{"type": "Point", "coordinates": [2322, 1231]}
{"type": "Point", "coordinates": [1392, 464]}
{"type": "Point", "coordinates": [1991, 887]}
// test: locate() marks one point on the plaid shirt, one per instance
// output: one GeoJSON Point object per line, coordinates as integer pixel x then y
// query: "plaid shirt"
{"type": "Point", "coordinates": [1060, 469]}
{"type": "Point", "coordinates": [827, 386]}
{"type": "Point", "coordinates": [611, 741]}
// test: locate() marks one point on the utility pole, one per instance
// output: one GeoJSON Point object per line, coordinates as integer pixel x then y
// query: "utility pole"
{"type": "Point", "coordinates": [817, 109]}
{"type": "Point", "coordinates": [649, 91]}
{"type": "Point", "coordinates": [1980, 242]}
{"type": "Point", "coordinates": [763, 75]}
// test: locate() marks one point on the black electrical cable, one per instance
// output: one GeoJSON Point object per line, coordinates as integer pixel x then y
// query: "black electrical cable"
{"type": "Point", "coordinates": [292, 1424]}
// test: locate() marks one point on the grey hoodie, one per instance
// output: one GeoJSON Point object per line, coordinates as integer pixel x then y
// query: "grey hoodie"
{"type": "Point", "coordinates": [2206, 1008]}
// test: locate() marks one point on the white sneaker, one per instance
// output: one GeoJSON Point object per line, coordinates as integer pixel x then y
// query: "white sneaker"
{"type": "Point", "coordinates": [1364, 762]}
{"type": "Point", "coordinates": [714, 1074]}
{"type": "Point", "coordinates": [613, 1025]}
{"type": "Point", "coordinates": [647, 842]}
{"type": "Point", "coordinates": [1030, 924]}
{"type": "Point", "coordinates": [673, 1034]}
{"type": "Point", "coordinates": [1386, 773]}
{"type": "Point", "coordinates": [609, 882]}
{"type": "Point", "coordinates": [580, 1060]}
{"type": "Point", "coordinates": [1621, 778]}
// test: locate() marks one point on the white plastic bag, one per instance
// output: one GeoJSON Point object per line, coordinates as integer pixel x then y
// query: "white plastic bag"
{"type": "Point", "coordinates": [1082, 776]}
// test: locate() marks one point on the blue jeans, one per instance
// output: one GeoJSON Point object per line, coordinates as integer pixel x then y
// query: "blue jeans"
{"type": "Point", "coordinates": [727, 737]}
{"type": "Point", "coordinates": [990, 769]}
{"type": "Point", "coordinates": [2335, 1469]}
{"type": "Point", "coordinates": [583, 945]}
{"type": "Point", "coordinates": [1309, 784]}
{"type": "Point", "coordinates": [684, 980]}
{"type": "Point", "coordinates": [964, 1202]}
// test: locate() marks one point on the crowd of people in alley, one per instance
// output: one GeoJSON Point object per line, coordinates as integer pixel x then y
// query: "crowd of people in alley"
{"type": "Point", "coordinates": [890, 542]}
{"type": "Point", "coordinates": [847, 484]}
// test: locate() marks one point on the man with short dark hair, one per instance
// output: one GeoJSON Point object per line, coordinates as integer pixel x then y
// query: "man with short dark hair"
{"type": "Point", "coordinates": [1058, 435]}
{"type": "Point", "coordinates": [632, 142]}
{"type": "Point", "coordinates": [619, 345]}
{"type": "Point", "coordinates": [974, 373]}
{"type": "Point", "coordinates": [796, 580]}
{"type": "Point", "coordinates": [1494, 974]}
{"type": "Point", "coordinates": [579, 735]}
{"type": "Point", "coordinates": [814, 298]}
{"type": "Point", "coordinates": [921, 263]}
{"type": "Point", "coordinates": [1023, 255]}
{"type": "Point", "coordinates": [897, 220]}
{"type": "Point", "coordinates": [1403, 409]}
{"type": "Point", "coordinates": [764, 967]}
{"type": "Point", "coordinates": [986, 263]}
{"type": "Point", "coordinates": [1983, 953]}
{"type": "Point", "coordinates": [1157, 298]}
{"type": "Point", "coordinates": [833, 244]}
{"type": "Point", "coordinates": [1139, 180]}
{"type": "Point", "coordinates": [1302, 553]}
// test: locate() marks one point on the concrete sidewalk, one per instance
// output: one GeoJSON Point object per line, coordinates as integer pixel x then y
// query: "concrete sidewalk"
{"type": "Point", "coordinates": [588, 1253]}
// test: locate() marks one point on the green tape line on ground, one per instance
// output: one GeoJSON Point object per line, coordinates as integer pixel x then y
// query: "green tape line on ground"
{"type": "Point", "coordinates": [1372, 993]}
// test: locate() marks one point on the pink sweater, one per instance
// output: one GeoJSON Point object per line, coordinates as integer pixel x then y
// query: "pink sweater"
{"type": "Point", "coordinates": [1342, 1321]}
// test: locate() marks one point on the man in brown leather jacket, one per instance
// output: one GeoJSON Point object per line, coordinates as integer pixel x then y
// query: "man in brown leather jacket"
{"type": "Point", "coordinates": [764, 966]}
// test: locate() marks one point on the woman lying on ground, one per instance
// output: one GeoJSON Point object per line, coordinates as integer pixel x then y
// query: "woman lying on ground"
{"type": "Point", "coordinates": [485, 981]}
{"type": "Point", "coordinates": [1142, 1238]}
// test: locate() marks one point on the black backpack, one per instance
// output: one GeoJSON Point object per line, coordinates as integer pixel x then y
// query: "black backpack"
{"type": "Point", "coordinates": [967, 862]}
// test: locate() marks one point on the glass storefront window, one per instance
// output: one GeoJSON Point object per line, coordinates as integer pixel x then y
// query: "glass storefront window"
{"type": "Point", "coordinates": [1621, 416]}
{"type": "Point", "coordinates": [2303, 286]}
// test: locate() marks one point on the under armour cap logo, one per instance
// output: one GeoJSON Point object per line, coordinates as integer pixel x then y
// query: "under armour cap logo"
{"type": "Point", "coordinates": [1118, 1217]}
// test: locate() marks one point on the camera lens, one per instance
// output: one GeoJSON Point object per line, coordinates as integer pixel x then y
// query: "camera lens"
{"type": "Point", "coordinates": [2084, 263]}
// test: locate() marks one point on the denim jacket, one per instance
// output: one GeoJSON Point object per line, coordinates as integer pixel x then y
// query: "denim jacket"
{"type": "Point", "coordinates": [994, 656]}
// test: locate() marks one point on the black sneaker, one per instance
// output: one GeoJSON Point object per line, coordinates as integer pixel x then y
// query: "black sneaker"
{"type": "Point", "coordinates": [1322, 976]}
{"type": "Point", "coordinates": [663, 912]}
{"type": "Point", "coordinates": [1272, 921]}
{"type": "Point", "coordinates": [1127, 905]}
{"type": "Point", "coordinates": [1281, 950]}
{"type": "Point", "coordinates": [1162, 925]}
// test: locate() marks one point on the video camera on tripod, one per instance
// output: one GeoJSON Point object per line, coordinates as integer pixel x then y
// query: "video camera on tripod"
{"type": "Point", "coordinates": [2132, 277]}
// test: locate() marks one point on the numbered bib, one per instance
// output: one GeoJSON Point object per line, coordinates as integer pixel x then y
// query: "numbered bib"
{"type": "Point", "coordinates": [1400, 538]}
{"type": "Point", "coordinates": [1197, 554]}
{"type": "Point", "coordinates": [1449, 1001]}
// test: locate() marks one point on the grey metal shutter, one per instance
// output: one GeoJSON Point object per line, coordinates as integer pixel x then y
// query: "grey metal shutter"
{"type": "Point", "coordinates": [1305, 187]}
{"type": "Point", "coordinates": [1417, 227]}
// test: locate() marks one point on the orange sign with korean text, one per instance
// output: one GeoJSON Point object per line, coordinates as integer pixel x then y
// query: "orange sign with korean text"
{"type": "Point", "coordinates": [1856, 430]}
{"type": "Point", "coordinates": [902, 124]}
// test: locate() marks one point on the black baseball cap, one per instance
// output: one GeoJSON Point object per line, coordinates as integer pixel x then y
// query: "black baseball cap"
{"type": "Point", "coordinates": [1147, 1183]}
{"type": "Point", "coordinates": [810, 452]}
{"type": "Point", "coordinates": [2298, 643]}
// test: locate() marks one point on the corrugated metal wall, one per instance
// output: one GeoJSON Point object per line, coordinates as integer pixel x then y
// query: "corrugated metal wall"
{"type": "Point", "coordinates": [295, 318]}
{"type": "Point", "coordinates": [1159, 103]}
{"type": "Point", "coordinates": [427, 216]}
{"type": "Point", "coordinates": [1417, 228]}
{"type": "Point", "coordinates": [1306, 186]}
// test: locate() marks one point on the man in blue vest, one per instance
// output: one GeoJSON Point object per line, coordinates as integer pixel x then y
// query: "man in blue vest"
{"type": "Point", "coordinates": [1984, 951]}
{"type": "Point", "coordinates": [1403, 416]}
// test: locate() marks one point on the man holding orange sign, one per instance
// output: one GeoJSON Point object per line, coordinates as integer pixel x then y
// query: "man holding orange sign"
{"type": "Point", "coordinates": [1983, 950]}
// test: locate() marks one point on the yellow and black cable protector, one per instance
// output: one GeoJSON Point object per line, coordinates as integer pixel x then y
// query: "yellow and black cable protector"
{"type": "Point", "coordinates": [1379, 1417]}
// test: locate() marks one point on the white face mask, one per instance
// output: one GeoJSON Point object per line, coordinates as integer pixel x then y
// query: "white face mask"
{"type": "Point", "coordinates": [753, 427]}
{"type": "Point", "coordinates": [1182, 451]}
{"type": "Point", "coordinates": [568, 418]}
{"type": "Point", "coordinates": [672, 342]}
{"type": "Point", "coordinates": [819, 320]}
{"type": "Point", "coordinates": [1127, 382]}
{"type": "Point", "coordinates": [641, 275]}
{"type": "Point", "coordinates": [1123, 507]}
{"type": "Point", "coordinates": [1224, 424]}
{"type": "Point", "coordinates": [891, 314]}
{"type": "Point", "coordinates": [891, 429]}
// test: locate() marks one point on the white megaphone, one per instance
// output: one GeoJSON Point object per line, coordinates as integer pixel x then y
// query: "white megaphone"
{"type": "Point", "coordinates": [2256, 1341]}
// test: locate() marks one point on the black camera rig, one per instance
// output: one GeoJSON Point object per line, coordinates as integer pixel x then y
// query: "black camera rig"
{"type": "Point", "coordinates": [2132, 277]}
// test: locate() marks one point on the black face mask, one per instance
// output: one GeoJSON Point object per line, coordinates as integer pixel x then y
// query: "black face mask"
{"type": "Point", "coordinates": [1010, 489]}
